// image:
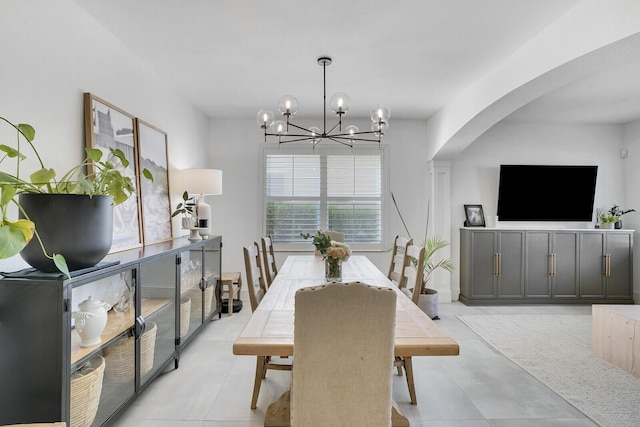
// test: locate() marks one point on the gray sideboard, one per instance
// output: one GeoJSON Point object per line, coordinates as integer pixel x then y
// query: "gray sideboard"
{"type": "Point", "coordinates": [524, 266]}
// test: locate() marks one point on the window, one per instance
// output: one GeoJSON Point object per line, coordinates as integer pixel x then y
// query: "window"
{"type": "Point", "coordinates": [327, 189]}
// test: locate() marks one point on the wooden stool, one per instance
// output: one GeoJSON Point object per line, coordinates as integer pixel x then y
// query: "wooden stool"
{"type": "Point", "coordinates": [229, 280]}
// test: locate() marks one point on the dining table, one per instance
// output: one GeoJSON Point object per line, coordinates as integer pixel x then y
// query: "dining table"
{"type": "Point", "coordinates": [269, 331]}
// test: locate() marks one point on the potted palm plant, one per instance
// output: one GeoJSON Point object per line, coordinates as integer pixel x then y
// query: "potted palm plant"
{"type": "Point", "coordinates": [55, 209]}
{"type": "Point", "coordinates": [428, 299]}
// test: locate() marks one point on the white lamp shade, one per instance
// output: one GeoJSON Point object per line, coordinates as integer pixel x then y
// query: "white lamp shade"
{"type": "Point", "coordinates": [201, 181]}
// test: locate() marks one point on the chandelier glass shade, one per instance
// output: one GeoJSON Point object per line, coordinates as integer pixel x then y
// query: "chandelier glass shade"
{"type": "Point", "coordinates": [286, 131]}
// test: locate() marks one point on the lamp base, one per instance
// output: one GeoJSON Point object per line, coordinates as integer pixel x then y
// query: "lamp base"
{"type": "Point", "coordinates": [204, 213]}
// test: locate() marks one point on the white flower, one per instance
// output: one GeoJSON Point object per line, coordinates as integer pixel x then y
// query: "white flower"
{"type": "Point", "coordinates": [339, 250]}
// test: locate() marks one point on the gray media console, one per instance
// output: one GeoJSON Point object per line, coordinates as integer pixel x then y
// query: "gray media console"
{"type": "Point", "coordinates": [518, 266]}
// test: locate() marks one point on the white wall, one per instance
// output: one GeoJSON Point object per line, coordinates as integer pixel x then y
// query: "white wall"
{"type": "Point", "coordinates": [631, 182]}
{"type": "Point", "coordinates": [53, 52]}
{"type": "Point", "coordinates": [475, 172]}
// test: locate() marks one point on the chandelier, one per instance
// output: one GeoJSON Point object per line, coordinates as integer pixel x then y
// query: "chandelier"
{"type": "Point", "coordinates": [340, 103]}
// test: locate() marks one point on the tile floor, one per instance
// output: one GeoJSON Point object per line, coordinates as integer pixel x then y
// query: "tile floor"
{"type": "Point", "coordinates": [212, 387]}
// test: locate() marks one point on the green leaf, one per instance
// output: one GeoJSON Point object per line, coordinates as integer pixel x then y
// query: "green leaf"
{"type": "Point", "coordinates": [94, 154]}
{"type": "Point", "coordinates": [14, 236]}
{"type": "Point", "coordinates": [7, 193]}
{"type": "Point", "coordinates": [12, 152]}
{"type": "Point", "coordinates": [61, 263]}
{"type": "Point", "coordinates": [147, 174]}
{"type": "Point", "coordinates": [120, 154]}
{"type": "Point", "coordinates": [43, 176]}
{"type": "Point", "coordinates": [28, 131]}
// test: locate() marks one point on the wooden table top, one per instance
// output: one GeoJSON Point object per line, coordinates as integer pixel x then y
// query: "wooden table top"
{"type": "Point", "coordinates": [269, 332]}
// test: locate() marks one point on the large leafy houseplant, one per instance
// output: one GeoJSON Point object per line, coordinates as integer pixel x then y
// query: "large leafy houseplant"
{"type": "Point", "coordinates": [104, 180]}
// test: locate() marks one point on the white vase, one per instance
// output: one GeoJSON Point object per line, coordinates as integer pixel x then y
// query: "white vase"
{"type": "Point", "coordinates": [607, 225]}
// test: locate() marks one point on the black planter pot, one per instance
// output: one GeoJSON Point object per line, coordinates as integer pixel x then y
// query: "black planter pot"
{"type": "Point", "coordinates": [618, 225]}
{"type": "Point", "coordinates": [77, 226]}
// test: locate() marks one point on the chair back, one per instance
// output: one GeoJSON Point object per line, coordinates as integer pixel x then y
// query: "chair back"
{"type": "Point", "coordinates": [268, 260]}
{"type": "Point", "coordinates": [413, 272]}
{"type": "Point", "coordinates": [255, 281]}
{"type": "Point", "coordinates": [338, 236]}
{"type": "Point", "coordinates": [343, 351]}
{"type": "Point", "coordinates": [398, 261]}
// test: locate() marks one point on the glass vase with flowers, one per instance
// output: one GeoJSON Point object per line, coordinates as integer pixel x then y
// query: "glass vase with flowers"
{"type": "Point", "coordinates": [334, 254]}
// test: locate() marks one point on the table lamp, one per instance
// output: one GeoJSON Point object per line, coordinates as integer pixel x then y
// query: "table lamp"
{"type": "Point", "coordinates": [202, 182]}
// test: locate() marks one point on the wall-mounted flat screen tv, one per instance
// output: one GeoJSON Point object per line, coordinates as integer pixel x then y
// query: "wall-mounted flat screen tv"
{"type": "Point", "coordinates": [546, 193]}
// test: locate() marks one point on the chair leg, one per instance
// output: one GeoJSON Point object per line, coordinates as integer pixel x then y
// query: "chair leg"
{"type": "Point", "coordinates": [408, 367]}
{"type": "Point", "coordinates": [260, 369]}
{"type": "Point", "coordinates": [399, 363]}
{"type": "Point", "coordinates": [267, 360]}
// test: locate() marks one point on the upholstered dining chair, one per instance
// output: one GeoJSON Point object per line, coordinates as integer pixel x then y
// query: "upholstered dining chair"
{"type": "Point", "coordinates": [413, 273]}
{"type": "Point", "coordinates": [343, 345]}
{"type": "Point", "coordinates": [338, 236]}
{"type": "Point", "coordinates": [269, 260]}
{"type": "Point", "coordinates": [398, 260]}
{"type": "Point", "coordinates": [257, 289]}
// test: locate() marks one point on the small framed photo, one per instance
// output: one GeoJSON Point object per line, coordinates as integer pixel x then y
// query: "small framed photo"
{"type": "Point", "coordinates": [474, 215]}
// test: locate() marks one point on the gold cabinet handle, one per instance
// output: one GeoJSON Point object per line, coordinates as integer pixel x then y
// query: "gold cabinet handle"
{"type": "Point", "coordinates": [555, 271]}
{"type": "Point", "coordinates": [607, 265]}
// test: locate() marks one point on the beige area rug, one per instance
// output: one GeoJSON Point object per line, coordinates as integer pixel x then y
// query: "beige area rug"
{"type": "Point", "coordinates": [556, 349]}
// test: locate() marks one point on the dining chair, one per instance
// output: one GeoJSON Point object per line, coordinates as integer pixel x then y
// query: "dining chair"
{"type": "Point", "coordinates": [343, 343]}
{"type": "Point", "coordinates": [269, 260]}
{"type": "Point", "coordinates": [398, 260]}
{"type": "Point", "coordinates": [257, 289]}
{"type": "Point", "coordinates": [338, 236]}
{"type": "Point", "coordinates": [412, 278]}
{"type": "Point", "coordinates": [255, 280]}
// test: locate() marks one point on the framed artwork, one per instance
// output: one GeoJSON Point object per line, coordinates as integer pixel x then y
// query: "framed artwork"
{"type": "Point", "coordinates": [107, 126]}
{"type": "Point", "coordinates": [474, 215]}
{"type": "Point", "coordinates": [154, 195]}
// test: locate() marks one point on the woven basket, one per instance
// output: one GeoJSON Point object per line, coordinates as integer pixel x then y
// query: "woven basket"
{"type": "Point", "coordinates": [86, 387]}
{"type": "Point", "coordinates": [185, 316]}
{"type": "Point", "coordinates": [208, 297]}
{"type": "Point", "coordinates": [120, 357]}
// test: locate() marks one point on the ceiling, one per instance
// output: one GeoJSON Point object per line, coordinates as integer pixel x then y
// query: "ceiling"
{"type": "Point", "coordinates": [232, 58]}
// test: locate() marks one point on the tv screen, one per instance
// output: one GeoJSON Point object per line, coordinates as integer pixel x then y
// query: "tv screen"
{"type": "Point", "coordinates": [546, 193]}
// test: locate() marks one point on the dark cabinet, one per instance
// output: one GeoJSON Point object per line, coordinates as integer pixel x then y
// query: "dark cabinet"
{"type": "Point", "coordinates": [494, 267]}
{"type": "Point", "coordinates": [606, 269]}
{"type": "Point", "coordinates": [545, 266]}
{"type": "Point", "coordinates": [50, 374]}
{"type": "Point", "coordinates": [551, 264]}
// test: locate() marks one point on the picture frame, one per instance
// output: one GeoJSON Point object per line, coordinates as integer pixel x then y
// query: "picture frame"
{"type": "Point", "coordinates": [154, 195]}
{"type": "Point", "coordinates": [474, 216]}
{"type": "Point", "coordinates": [107, 126]}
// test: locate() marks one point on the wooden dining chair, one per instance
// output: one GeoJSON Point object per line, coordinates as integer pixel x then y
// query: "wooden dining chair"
{"type": "Point", "coordinates": [398, 260]}
{"type": "Point", "coordinates": [255, 280]}
{"type": "Point", "coordinates": [343, 343]}
{"type": "Point", "coordinates": [413, 274]}
{"type": "Point", "coordinates": [269, 260]}
{"type": "Point", "coordinates": [257, 289]}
